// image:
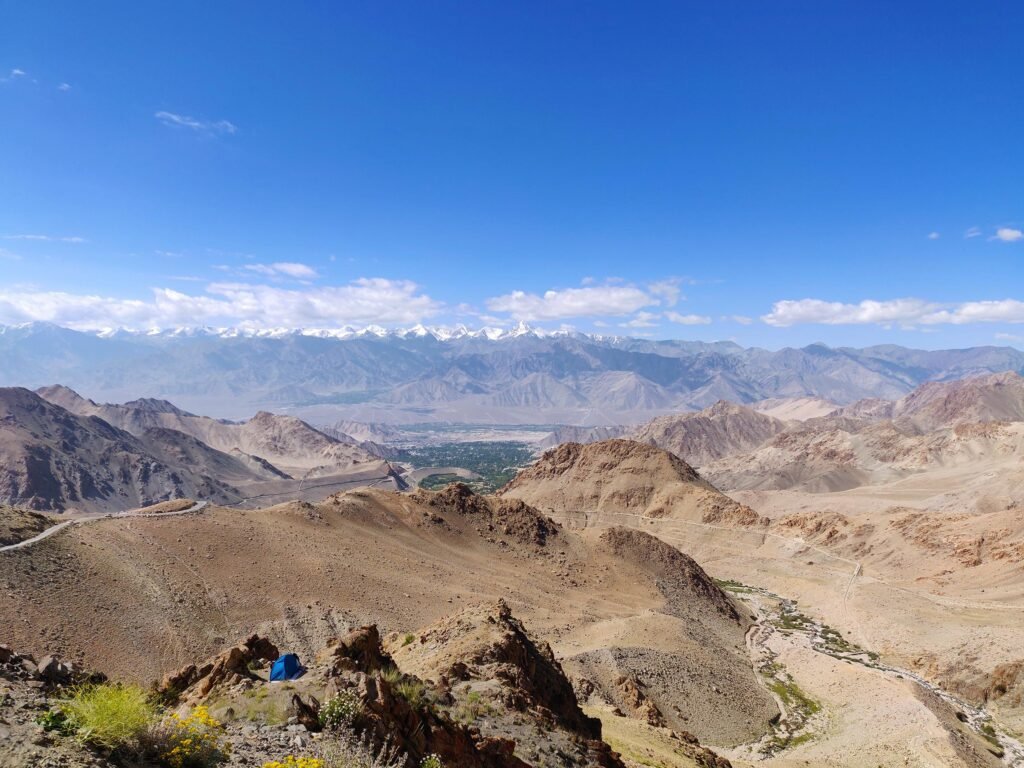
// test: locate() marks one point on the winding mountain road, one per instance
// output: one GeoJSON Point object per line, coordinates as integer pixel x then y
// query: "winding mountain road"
{"type": "Point", "coordinates": [93, 518]}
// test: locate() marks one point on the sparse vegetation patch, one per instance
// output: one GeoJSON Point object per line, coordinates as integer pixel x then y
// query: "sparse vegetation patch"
{"type": "Point", "coordinates": [110, 716]}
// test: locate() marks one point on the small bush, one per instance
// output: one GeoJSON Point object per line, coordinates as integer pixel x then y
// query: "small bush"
{"type": "Point", "coordinates": [189, 742]}
{"type": "Point", "coordinates": [408, 640]}
{"type": "Point", "coordinates": [109, 715]}
{"type": "Point", "coordinates": [472, 708]}
{"type": "Point", "coordinates": [342, 709]}
{"type": "Point", "coordinates": [296, 762]}
{"type": "Point", "coordinates": [391, 675]}
{"type": "Point", "coordinates": [55, 720]}
{"type": "Point", "coordinates": [431, 761]}
{"type": "Point", "coordinates": [351, 751]}
{"type": "Point", "coordinates": [413, 691]}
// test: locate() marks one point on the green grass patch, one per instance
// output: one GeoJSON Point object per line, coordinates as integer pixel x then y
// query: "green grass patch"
{"type": "Point", "coordinates": [736, 587]}
{"type": "Point", "coordinates": [793, 697]}
{"type": "Point", "coordinates": [472, 708]}
{"type": "Point", "coordinates": [108, 715]}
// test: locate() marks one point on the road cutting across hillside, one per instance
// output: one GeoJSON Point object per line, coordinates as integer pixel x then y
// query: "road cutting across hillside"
{"type": "Point", "coordinates": [93, 518]}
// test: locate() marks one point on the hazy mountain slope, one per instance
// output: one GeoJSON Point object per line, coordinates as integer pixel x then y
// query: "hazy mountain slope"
{"type": "Point", "coordinates": [795, 408]}
{"type": "Point", "coordinates": [998, 397]}
{"type": "Point", "coordinates": [875, 441]}
{"type": "Point", "coordinates": [53, 459]}
{"type": "Point", "coordinates": [623, 391]}
{"type": "Point", "coordinates": [504, 377]}
{"type": "Point", "coordinates": [582, 435]}
{"type": "Point", "coordinates": [838, 458]}
{"type": "Point", "coordinates": [992, 397]}
{"type": "Point", "coordinates": [721, 430]}
{"type": "Point", "coordinates": [538, 390]}
{"type": "Point", "coordinates": [286, 442]}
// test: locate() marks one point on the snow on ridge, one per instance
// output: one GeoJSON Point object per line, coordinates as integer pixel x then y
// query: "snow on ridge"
{"type": "Point", "coordinates": [440, 333]}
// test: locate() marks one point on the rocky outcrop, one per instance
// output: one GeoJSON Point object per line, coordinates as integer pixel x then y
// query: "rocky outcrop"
{"type": "Point", "coordinates": [507, 517]}
{"type": "Point", "coordinates": [388, 717]}
{"type": "Point", "coordinates": [617, 456]}
{"type": "Point", "coordinates": [485, 660]}
{"type": "Point", "coordinates": [640, 706]}
{"type": "Point", "coordinates": [195, 682]}
{"type": "Point", "coordinates": [359, 651]}
{"type": "Point", "coordinates": [48, 671]}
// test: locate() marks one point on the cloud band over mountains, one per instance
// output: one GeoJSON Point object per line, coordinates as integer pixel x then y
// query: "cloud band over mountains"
{"type": "Point", "coordinates": [907, 312]}
{"type": "Point", "coordinates": [361, 302]}
{"type": "Point", "coordinates": [396, 302]}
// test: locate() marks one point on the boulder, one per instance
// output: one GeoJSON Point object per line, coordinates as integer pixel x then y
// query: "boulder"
{"type": "Point", "coordinates": [359, 651]}
{"type": "Point", "coordinates": [52, 670]}
{"type": "Point", "coordinates": [232, 666]}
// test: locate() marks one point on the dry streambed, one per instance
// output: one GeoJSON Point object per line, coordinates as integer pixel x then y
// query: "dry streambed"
{"type": "Point", "coordinates": [803, 718]}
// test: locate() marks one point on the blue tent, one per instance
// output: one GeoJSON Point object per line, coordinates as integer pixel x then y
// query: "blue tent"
{"type": "Point", "coordinates": [287, 667]}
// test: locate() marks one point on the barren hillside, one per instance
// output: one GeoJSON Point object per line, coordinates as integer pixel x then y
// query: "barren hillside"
{"type": "Point", "coordinates": [302, 573]}
{"type": "Point", "coordinates": [52, 459]}
{"type": "Point", "coordinates": [287, 443]}
{"type": "Point", "coordinates": [723, 429]}
{"type": "Point", "coordinates": [623, 477]}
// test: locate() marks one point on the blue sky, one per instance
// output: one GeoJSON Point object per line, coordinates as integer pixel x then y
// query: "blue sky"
{"type": "Point", "coordinates": [774, 173]}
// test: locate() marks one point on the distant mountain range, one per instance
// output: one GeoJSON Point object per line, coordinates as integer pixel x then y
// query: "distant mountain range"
{"type": "Point", "coordinates": [976, 422]}
{"type": "Point", "coordinates": [520, 376]}
{"type": "Point", "coordinates": [60, 451]}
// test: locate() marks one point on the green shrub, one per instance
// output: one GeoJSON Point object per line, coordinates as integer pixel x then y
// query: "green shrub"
{"type": "Point", "coordinates": [413, 691]}
{"type": "Point", "coordinates": [407, 640]}
{"type": "Point", "coordinates": [342, 709]}
{"type": "Point", "coordinates": [109, 715]}
{"type": "Point", "coordinates": [391, 675]}
{"type": "Point", "coordinates": [55, 720]}
{"type": "Point", "coordinates": [472, 708]}
{"type": "Point", "coordinates": [431, 761]}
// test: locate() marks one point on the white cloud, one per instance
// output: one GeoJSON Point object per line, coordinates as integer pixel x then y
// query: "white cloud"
{"type": "Point", "coordinates": [284, 268]}
{"type": "Point", "coordinates": [1011, 337]}
{"type": "Point", "coordinates": [676, 317]}
{"type": "Point", "coordinates": [613, 298]}
{"type": "Point", "coordinates": [641, 320]}
{"type": "Point", "coordinates": [200, 126]}
{"type": "Point", "coordinates": [906, 312]}
{"type": "Point", "coordinates": [741, 319]}
{"type": "Point", "coordinates": [361, 302]}
{"type": "Point", "coordinates": [933, 235]}
{"type": "Point", "coordinates": [5, 254]}
{"type": "Point", "coordinates": [64, 87]}
{"type": "Point", "coordinates": [1008, 235]}
{"type": "Point", "coordinates": [14, 74]}
{"type": "Point", "coordinates": [667, 290]}
{"type": "Point", "coordinates": [1003, 311]}
{"type": "Point", "coordinates": [47, 238]}
{"type": "Point", "coordinates": [972, 232]}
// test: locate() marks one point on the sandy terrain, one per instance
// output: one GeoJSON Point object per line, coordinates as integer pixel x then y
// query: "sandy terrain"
{"type": "Point", "coordinates": [137, 597]}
